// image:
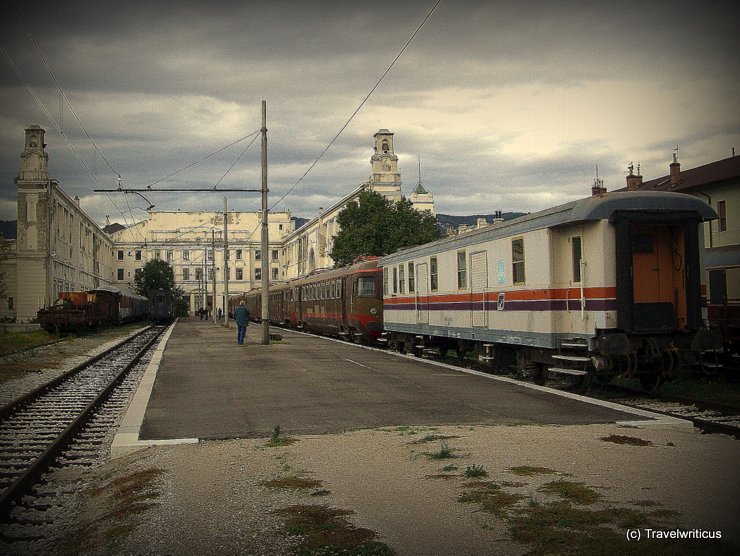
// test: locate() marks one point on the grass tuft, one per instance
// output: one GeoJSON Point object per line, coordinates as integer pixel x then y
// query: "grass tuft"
{"type": "Point", "coordinates": [628, 440]}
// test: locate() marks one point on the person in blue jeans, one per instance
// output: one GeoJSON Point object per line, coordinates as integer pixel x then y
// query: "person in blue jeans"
{"type": "Point", "coordinates": [241, 316]}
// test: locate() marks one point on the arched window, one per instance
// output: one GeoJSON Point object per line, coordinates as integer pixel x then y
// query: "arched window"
{"type": "Point", "coordinates": [385, 146]}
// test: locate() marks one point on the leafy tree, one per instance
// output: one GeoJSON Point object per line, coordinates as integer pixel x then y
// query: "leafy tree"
{"type": "Point", "coordinates": [375, 225]}
{"type": "Point", "coordinates": [156, 274]}
{"type": "Point", "coordinates": [4, 248]}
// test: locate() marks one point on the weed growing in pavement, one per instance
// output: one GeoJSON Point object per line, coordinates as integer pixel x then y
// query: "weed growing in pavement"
{"type": "Point", "coordinates": [569, 490]}
{"type": "Point", "coordinates": [325, 530]}
{"type": "Point", "coordinates": [293, 483]}
{"type": "Point", "coordinates": [445, 452]}
{"type": "Point", "coordinates": [528, 471]}
{"type": "Point", "coordinates": [629, 440]}
{"type": "Point", "coordinates": [276, 438]}
{"type": "Point", "coordinates": [122, 501]}
{"type": "Point", "coordinates": [475, 471]}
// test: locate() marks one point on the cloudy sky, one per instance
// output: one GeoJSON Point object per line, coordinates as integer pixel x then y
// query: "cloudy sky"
{"type": "Point", "coordinates": [510, 105]}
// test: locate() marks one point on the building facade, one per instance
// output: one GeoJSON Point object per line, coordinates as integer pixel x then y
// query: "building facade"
{"type": "Point", "coordinates": [59, 248]}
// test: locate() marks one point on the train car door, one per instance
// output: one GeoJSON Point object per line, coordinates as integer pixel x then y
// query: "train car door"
{"type": "Point", "coordinates": [478, 287]}
{"type": "Point", "coordinates": [422, 293]}
{"type": "Point", "coordinates": [657, 280]}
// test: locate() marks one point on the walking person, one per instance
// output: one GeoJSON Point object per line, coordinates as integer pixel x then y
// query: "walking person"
{"type": "Point", "coordinates": [241, 316]}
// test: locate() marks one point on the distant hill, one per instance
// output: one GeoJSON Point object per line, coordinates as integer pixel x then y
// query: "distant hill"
{"type": "Point", "coordinates": [472, 220]}
{"type": "Point", "coordinates": [8, 228]}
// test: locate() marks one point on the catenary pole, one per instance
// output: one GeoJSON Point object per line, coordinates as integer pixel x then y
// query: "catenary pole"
{"type": "Point", "coordinates": [265, 242]}
{"type": "Point", "coordinates": [213, 272]}
{"type": "Point", "coordinates": [226, 262]}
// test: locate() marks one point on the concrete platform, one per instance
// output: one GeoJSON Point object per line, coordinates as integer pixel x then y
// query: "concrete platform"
{"type": "Point", "coordinates": [202, 385]}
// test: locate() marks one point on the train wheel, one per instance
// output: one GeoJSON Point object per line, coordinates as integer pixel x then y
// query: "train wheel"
{"type": "Point", "coordinates": [651, 382]}
{"type": "Point", "coordinates": [709, 362]}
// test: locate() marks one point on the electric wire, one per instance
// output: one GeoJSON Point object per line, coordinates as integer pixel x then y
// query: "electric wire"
{"type": "Point", "coordinates": [377, 84]}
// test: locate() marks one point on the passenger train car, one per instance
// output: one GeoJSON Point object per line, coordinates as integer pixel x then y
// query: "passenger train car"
{"type": "Point", "coordinates": [608, 285]}
{"type": "Point", "coordinates": [162, 306]}
{"type": "Point", "coordinates": [345, 302]}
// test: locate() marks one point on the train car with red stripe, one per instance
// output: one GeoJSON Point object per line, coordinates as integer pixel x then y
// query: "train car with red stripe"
{"type": "Point", "coordinates": [608, 285]}
{"type": "Point", "coordinates": [346, 302]}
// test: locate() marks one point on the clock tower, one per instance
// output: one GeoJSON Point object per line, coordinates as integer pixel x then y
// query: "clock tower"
{"type": "Point", "coordinates": [385, 179]}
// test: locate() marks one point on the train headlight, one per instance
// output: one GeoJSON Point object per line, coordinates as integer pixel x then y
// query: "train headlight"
{"type": "Point", "coordinates": [373, 311]}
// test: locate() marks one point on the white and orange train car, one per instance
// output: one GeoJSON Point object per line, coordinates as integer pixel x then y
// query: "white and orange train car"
{"type": "Point", "coordinates": [607, 285]}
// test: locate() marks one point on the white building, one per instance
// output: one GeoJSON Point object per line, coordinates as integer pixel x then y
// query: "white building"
{"type": "Point", "coordinates": [59, 248]}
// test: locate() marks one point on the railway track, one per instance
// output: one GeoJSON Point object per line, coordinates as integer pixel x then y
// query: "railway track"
{"type": "Point", "coordinates": [62, 424]}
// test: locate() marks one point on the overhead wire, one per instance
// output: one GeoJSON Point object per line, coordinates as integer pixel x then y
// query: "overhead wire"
{"type": "Point", "coordinates": [372, 90]}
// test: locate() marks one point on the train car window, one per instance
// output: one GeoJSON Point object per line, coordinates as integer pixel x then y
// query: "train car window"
{"type": "Point", "coordinates": [462, 270]}
{"type": "Point", "coordinates": [517, 261]}
{"type": "Point", "coordinates": [395, 280]}
{"type": "Point", "coordinates": [412, 285]}
{"type": "Point", "coordinates": [577, 256]}
{"type": "Point", "coordinates": [433, 274]}
{"type": "Point", "coordinates": [385, 281]}
{"type": "Point", "coordinates": [365, 286]}
{"type": "Point", "coordinates": [401, 279]}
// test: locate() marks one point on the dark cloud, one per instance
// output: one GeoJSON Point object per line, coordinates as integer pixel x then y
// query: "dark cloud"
{"type": "Point", "coordinates": [504, 101]}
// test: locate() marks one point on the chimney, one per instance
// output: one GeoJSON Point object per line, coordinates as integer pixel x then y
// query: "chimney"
{"type": "Point", "coordinates": [497, 218]}
{"type": "Point", "coordinates": [77, 200]}
{"type": "Point", "coordinates": [598, 188]}
{"type": "Point", "coordinates": [633, 181]}
{"type": "Point", "coordinates": [480, 223]}
{"type": "Point", "coordinates": [675, 170]}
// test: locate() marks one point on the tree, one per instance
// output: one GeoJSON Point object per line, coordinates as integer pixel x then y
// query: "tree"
{"type": "Point", "coordinates": [155, 275]}
{"type": "Point", "coordinates": [375, 225]}
{"type": "Point", "coordinates": [4, 249]}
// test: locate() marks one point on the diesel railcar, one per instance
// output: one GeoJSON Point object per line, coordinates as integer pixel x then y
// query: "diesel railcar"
{"type": "Point", "coordinates": [345, 302]}
{"type": "Point", "coordinates": [608, 285]}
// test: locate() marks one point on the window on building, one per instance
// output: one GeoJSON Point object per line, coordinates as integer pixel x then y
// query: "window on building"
{"type": "Point", "coordinates": [576, 249]}
{"type": "Point", "coordinates": [137, 254]}
{"type": "Point", "coordinates": [120, 255]}
{"type": "Point", "coordinates": [275, 273]}
{"type": "Point", "coordinates": [185, 255]}
{"type": "Point", "coordinates": [275, 255]}
{"type": "Point", "coordinates": [517, 261]}
{"type": "Point", "coordinates": [401, 279]}
{"type": "Point", "coordinates": [258, 274]}
{"type": "Point", "coordinates": [722, 213]}
{"type": "Point", "coordinates": [120, 274]}
{"type": "Point", "coordinates": [412, 285]}
{"type": "Point", "coordinates": [395, 280]}
{"type": "Point", "coordinates": [169, 254]}
{"type": "Point", "coordinates": [210, 254]}
{"type": "Point", "coordinates": [157, 254]}
{"type": "Point", "coordinates": [257, 255]}
{"type": "Point", "coordinates": [210, 273]}
{"type": "Point", "coordinates": [186, 273]}
{"type": "Point", "coordinates": [240, 274]}
{"type": "Point", "coordinates": [199, 274]}
{"type": "Point", "coordinates": [433, 274]}
{"type": "Point", "coordinates": [138, 272]}
{"type": "Point", "coordinates": [238, 254]}
{"type": "Point", "coordinates": [462, 270]}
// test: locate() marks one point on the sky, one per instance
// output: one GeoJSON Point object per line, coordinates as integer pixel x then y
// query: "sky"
{"type": "Point", "coordinates": [510, 106]}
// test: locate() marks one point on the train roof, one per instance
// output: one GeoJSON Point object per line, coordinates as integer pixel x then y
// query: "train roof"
{"type": "Point", "coordinates": [120, 291]}
{"type": "Point", "coordinates": [598, 207]}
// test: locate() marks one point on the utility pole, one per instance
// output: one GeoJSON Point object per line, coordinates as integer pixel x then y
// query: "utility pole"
{"type": "Point", "coordinates": [265, 242]}
{"type": "Point", "coordinates": [213, 271]}
{"type": "Point", "coordinates": [205, 277]}
{"type": "Point", "coordinates": [226, 262]}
